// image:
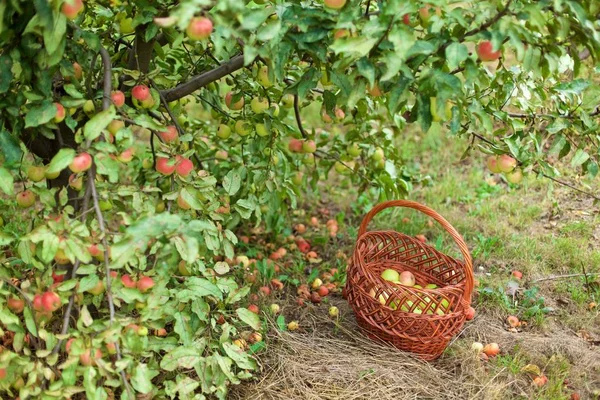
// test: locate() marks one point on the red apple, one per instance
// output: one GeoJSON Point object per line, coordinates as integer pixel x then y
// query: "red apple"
{"type": "Point", "coordinates": [78, 74]}
{"type": "Point", "coordinates": [25, 199]}
{"type": "Point", "coordinates": [145, 283]}
{"type": "Point", "coordinates": [58, 278]}
{"type": "Point", "coordinates": [492, 164]}
{"type": "Point", "coordinates": [295, 146]}
{"type": "Point", "coordinates": [118, 98]}
{"type": "Point", "coordinates": [50, 301]}
{"type": "Point", "coordinates": [2, 373]}
{"type": "Point", "coordinates": [335, 4]}
{"type": "Point", "coordinates": [82, 162]}
{"type": "Point", "coordinates": [126, 156]}
{"type": "Point", "coordinates": [199, 28]}
{"type": "Point", "coordinates": [323, 291]}
{"type": "Point", "coordinates": [485, 51]}
{"type": "Point", "coordinates": [238, 105]}
{"type": "Point", "coordinates": [76, 182]}
{"type": "Point", "coordinates": [72, 8]}
{"type": "Point", "coordinates": [127, 281]}
{"type": "Point", "coordinates": [265, 290]}
{"type": "Point", "coordinates": [513, 321]}
{"type": "Point", "coordinates": [165, 166]}
{"type": "Point", "coordinates": [315, 298]}
{"type": "Point", "coordinates": [491, 349]}
{"type": "Point", "coordinates": [68, 345]}
{"type": "Point", "coordinates": [309, 146]}
{"type": "Point", "coordinates": [87, 359]}
{"type": "Point", "coordinates": [184, 167]}
{"type": "Point", "coordinates": [60, 113]}
{"type": "Point", "coordinates": [506, 163]}
{"type": "Point", "coordinates": [15, 305]}
{"type": "Point", "coordinates": [517, 274]}
{"type": "Point", "coordinates": [406, 19]}
{"type": "Point", "coordinates": [540, 380]}
{"type": "Point", "coordinates": [141, 92]}
{"type": "Point", "coordinates": [254, 308]}
{"type": "Point", "coordinates": [170, 135]}
{"type": "Point", "coordinates": [421, 238]}
{"type": "Point", "coordinates": [470, 313]}
{"type": "Point", "coordinates": [38, 305]}
{"type": "Point", "coordinates": [162, 332]}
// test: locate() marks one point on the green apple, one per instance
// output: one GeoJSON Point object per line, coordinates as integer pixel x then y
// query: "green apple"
{"type": "Point", "coordinates": [259, 105]}
{"type": "Point", "coordinates": [378, 154]}
{"type": "Point", "coordinates": [418, 287]}
{"type": "Point", "coordinates": [431, 286]}
{"type": "Point", "coordinates": [288, 100]}
{"type": "Point", "coordinates": [89, 108]}
{"type": "Point", "coordinates": [261, 130]}
{"type": "Point", "coordinates": [390, 275]}
{"type": "Point", "coordinates": [126, 26]}
{"type": "Point", "coordinates": [263, 77]}
{"type": "Point", "coordinates": [224, 131]}
{"type": "Point", "coordinates": [354, 150]}
{"type": "Point", "coordinates": [243, 128]}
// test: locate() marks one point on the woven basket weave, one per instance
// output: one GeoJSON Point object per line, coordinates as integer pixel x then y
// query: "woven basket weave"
{"type": "Point", "coordinates": [421, 321]}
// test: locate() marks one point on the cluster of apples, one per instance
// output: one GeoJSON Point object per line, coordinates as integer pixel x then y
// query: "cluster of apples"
{"type": "Point", "coordinates": [507, 165]}
{"type": "Point", "coordinates": [44, 304]}
{"type": "Point", "coordinates": [143, 284]}
{"type": "Point", "coordinates": [485, 352]}
{"type": "Point", "coordinates": [407, 278]}
{"type": "Point", "coordinates": [307, 146]}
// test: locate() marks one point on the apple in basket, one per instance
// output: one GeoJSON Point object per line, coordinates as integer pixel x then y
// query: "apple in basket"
{"type": "Point", "coordinates": [390, 275]}
{"type": "Point", "coordinates": [383, 297]}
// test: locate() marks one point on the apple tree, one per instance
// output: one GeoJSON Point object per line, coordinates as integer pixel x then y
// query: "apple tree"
{"type": "Point", "coordinates": [140, 139]}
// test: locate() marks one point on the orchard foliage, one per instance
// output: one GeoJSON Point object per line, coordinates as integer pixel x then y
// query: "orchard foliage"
{"type": "Point", "coordinates": [190, 113]}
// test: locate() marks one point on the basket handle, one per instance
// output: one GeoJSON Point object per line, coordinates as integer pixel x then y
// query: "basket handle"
{"type": "Point", "coordinates": [442, 221]}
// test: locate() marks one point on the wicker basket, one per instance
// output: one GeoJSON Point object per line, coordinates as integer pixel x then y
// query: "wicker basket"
{"type": "Point", "coordinates": [421, 321]}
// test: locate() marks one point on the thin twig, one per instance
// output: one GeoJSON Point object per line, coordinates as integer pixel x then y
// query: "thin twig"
{"type": "Point", "coordinates": [335, 157]}
{"type": "Point", "coordinates": [553, 277]}
{"type": "Point", "coordinates": [567, 184]}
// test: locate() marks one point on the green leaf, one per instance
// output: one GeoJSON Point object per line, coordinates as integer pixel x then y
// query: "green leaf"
{"type": "Point", "coordinates": [203, 287]}
{"type": "Point", "coordinates": [40, 114]}
{"type": "Point", "coordinates": [241, 358]}
{"type": "Point", "coordinates": [357, 46]}
{"type": "Point", "coordinates": [61, 160]}
{"type": "Point", "coordinates": [54, 35]}
{"type": "Point", "coordinates": [5, 238]}
{"type": "Point", "coordinates": [88, 283]}
{"type": "Point", "coordinates": [29, 321]}
{"type": "Point", "coordinates": [7, 317]}
{"type": "Point", "coordinates": [6, 182]}
{"type": "Point", "coordinates": [6, 74]}
{"type": "Point", "coordinates": [9, 147]}
{"type": "Point", "coordinates": [94, 127]}
{"type": "Point", "coordinates": [141, 379]}
{"type": "Point", "coordinates": [248, 317]}
{"type": "Point", "coordinates": [181, 357]}
{"type": "Point", "coordinates": [281, 323]}
{"type": "Point", "coordinates": [455, 54]}
{"type": "Point", "coordinates": [232, 182]}
{"type": "Point", "coordinates": [579, 158]}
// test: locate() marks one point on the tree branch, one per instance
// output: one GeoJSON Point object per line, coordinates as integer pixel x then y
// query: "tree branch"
{"type": "Point", "coordinates": [567, 184]}
{"type": "Point", "coordinates": [199, 81]}
{"type": "Point", "coordinates": [298, 119]}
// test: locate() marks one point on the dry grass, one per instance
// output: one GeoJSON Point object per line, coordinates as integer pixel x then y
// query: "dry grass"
{"type": "Point", "coordinates": [331, 360]}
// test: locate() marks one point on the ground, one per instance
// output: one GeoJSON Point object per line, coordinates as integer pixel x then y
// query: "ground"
{"type": "Point", "coordinates": [540, 228]}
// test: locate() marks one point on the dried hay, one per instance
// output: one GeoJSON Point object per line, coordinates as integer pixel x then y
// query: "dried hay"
{"type": "Point", "coordinates": [329, 360]}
